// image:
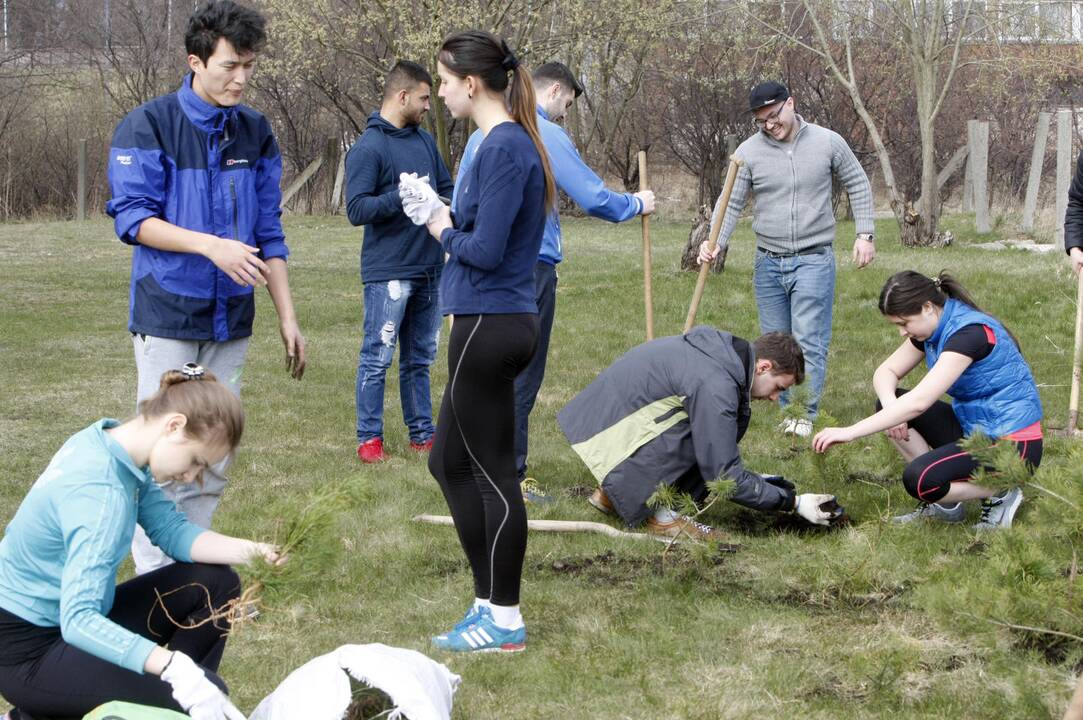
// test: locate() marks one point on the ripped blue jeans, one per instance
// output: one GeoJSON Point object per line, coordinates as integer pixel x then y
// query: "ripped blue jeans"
{"type": "Point", "coordinates": [404, 313]}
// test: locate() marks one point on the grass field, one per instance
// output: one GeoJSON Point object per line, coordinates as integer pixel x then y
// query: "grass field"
{"type": "Point", "coordinates": [868, 621]}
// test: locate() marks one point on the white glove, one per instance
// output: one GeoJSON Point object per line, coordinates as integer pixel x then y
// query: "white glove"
{"type": "Point", "coordinates": [199, 697]}
{"type": "Point", "coordinates": [808, 507]}
{"type": "Point", "coordinates": [419, 200]}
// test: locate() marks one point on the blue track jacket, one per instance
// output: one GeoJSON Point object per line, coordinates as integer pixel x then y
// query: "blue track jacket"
{"type": "Point", "coordinates": [572, 176]}
{"type": "Point", "coordinates": [204, 168]}
{"type": "Point", "coordinates": [60, 553]}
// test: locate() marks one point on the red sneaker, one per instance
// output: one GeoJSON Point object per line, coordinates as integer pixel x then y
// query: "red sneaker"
{"type": "Point", "coordinates": [421, 447]}
{"type": "Point", "coordinates": [372, 450]}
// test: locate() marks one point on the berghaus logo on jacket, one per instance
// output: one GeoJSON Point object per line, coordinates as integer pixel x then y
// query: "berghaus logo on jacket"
{"type": "Point", "coordinates": [236, 161]}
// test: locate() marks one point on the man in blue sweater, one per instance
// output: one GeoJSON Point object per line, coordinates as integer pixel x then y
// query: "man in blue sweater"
{"type": "Point", "coordinates": [556, 89]}
{"type": "Point", "coordinates": [400, 262]}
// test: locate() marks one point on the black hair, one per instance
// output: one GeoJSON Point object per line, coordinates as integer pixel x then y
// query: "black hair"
{"type": "Point", "coordinates": [243, 27]}
{"type": "Point", "coordinates": [557, 72]}
{"type": "Point", "coordinates": [487, 57]}
{"type": "Point", "coordinates": [784, 353]}
{"type": "Point", "coordinates": [405, 75]}
{"type": "Point", "coordinates": [907, 291]}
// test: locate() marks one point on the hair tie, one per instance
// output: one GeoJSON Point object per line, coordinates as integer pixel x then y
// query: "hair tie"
{"type": "Point", "coordinates": [192, 371]}
{"type": "Point", "coordinates": [510, 62]}
{"type": "Point", "coordinates": [936, 282]}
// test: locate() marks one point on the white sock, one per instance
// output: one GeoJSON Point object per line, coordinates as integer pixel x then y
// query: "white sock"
{"type": "Point", "coordinates": [665, 515]}
{"type": "Point", "coordinates": [507, 616]}
{"type": "Point", "coordinates": [945, 507]}
{"type": "Point", "coordinates": [479, 603]}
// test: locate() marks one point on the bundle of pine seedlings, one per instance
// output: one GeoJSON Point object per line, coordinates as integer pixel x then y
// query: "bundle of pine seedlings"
{"type": "Point", "coordinates": [305, 535]}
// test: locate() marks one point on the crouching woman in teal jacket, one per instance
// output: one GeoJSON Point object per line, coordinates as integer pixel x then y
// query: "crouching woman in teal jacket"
{"type": "Point", "coordinates": [70, 637]}
{"type": "Point", "coordinates": [971, 357]}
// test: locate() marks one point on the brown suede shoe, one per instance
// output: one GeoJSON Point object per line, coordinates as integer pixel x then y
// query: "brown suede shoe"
{"type": "Point", "coordinates": [683, 526]}
{"type": "Point", "coordinates": [600, 501]}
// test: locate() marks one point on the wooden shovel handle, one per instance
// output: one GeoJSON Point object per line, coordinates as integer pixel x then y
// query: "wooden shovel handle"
{"type": "Point", "coordinates": [712, 241]}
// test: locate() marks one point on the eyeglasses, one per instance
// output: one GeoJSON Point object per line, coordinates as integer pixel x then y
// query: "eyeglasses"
{"type": "Point", "coordinates": [771, 119]}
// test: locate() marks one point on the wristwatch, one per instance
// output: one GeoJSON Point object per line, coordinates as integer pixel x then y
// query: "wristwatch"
{"type": "Point", "coordinates": [865, 236]}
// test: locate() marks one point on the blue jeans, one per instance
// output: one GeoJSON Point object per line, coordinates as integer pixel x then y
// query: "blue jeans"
{"type": "Point", "coordinates": [529, 381]}
{"type": "Point", "coordinates": [407, 313]}
{"type": "Point", "coordinates": [795, 294]}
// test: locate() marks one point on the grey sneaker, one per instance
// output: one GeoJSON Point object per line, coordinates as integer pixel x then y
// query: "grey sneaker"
{"type": "Point", "coordinates": [998, 511]}
{"type": "Point", "coordinates": [933, 511]}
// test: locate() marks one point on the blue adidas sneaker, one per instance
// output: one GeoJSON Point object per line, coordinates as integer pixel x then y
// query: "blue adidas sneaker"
{"type": "Point", "coordinates": [481, 635]}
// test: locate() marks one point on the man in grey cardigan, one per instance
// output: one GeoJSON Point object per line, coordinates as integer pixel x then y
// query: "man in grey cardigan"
{"type": "Point", "coordinates": [788, 166]}
{"type": "Point", "coordinates": [672, 412]}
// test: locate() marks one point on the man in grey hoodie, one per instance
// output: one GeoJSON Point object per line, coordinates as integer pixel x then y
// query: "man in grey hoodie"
{"type": "Point", "coordinates": [788, 166]}
{"type": "Point", "coordinates": [672, 412]}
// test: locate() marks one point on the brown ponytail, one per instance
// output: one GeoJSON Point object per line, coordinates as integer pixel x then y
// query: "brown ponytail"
{"type": "Point", "coordinates": [905, 292]}
{"type": "Point", "coordinates": [211, 409]}
{"type": "Point", "coordinates": [489, 58]}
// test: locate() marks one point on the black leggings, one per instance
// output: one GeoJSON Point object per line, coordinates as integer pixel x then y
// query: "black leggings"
{"type": "Point", "coordinates": [62, 682]}
{"type": "Point", "coordinates": [473, 450]}
{"type": "Point", "coordinates": [929, 477]}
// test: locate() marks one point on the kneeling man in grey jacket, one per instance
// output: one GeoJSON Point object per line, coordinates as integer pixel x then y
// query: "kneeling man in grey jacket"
{"type": "Point", "coordinates": [671, 412]}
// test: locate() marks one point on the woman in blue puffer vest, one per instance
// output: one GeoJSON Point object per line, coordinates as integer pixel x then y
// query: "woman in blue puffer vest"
{"type": "Point", "coordinates": [973, 358]}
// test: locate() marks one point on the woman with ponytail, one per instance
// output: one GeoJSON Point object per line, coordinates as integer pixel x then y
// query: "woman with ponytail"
{"type": "Point", "coordinates": [973, 358]}
{"type": "Point", "coordinates": [488, 287]}
{"type": "Point", "coordinates": [70, 637]}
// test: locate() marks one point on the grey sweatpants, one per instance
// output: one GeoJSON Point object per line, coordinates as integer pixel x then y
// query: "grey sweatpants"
{"type": "Point", "coordinates": [153, 357]}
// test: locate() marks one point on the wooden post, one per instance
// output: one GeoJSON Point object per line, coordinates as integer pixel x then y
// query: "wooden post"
{"type": "Point", "coordinates": [297, 184]}
{"type": "Point", "coordinates": [978, 136]}
{"type": "Point", "coordinates": [731, 145]}
{"type": "Point", "coordinates": [968, 183]}
{"type": "Point", "coordinates": [1037, 160]}
{"type": "Point", "coordinates": [336, 191]}
{"type": "Point", "coordinates": [1077, 359]}
{"type": "Point", "coordinates": [80, 188]}
{"type": "Point", "coordinates": [648, 297]}
{"type": "Point", "coordinates": [1064, 168]}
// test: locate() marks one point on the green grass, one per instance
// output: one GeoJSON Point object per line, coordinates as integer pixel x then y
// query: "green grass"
{"type": "Point", "coordinates": [868, 621]}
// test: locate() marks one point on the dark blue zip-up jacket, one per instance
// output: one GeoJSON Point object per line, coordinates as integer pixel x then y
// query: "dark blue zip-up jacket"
{"type": "Point", "coordinates": [996, 394]}
{"type": "Point", "coordinates": [499, 220]}
{"type": "Point", "coordinates": [394, 248]}
{"type": "Point", "coordinates": [203, 168]}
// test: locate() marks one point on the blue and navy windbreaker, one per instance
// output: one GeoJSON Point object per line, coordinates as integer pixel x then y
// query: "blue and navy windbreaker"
{"type": "Point", "coordinates": [997, 394]}
{"type": "Point", "coordinates": [204, 168]}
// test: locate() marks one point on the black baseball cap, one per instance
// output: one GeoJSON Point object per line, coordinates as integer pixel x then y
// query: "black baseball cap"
{"type": "Point", "coordinates": [765, 94]}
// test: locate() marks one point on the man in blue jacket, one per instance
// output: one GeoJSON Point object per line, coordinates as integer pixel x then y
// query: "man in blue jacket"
{"type": "Point", "coordinates": [400, 261]}
{"type": "Point", "coordinates": [195, 183]}
{"type": "Point", "coordinates": [556, 89]}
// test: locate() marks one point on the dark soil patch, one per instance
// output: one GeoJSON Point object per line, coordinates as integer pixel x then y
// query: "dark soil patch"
{"type": "Point", "coordinates": [762, 524]}
{"type": "Point", "coordinates": [608, 567]}
{"type": "Point", "coordinates": [1054, 649]}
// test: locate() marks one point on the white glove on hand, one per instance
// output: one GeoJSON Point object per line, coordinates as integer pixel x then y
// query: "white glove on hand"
{"type": "Point", "coordinates": [199, 697]}
{"type": "Point", "coordinates": [419, 200]}
{"type": "Point", "coordinates": [808, 507]}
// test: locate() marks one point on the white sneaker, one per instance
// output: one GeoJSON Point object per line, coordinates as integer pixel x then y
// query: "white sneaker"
{"type": "Point", "coordinates": [801, 427]}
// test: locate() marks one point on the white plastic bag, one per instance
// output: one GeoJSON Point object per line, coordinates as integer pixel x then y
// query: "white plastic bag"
{"type": "Point", "coordinates": [420, 688]}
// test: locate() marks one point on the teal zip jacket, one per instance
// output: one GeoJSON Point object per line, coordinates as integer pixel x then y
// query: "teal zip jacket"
{"type": "Point", "coordinates": [60, 553]}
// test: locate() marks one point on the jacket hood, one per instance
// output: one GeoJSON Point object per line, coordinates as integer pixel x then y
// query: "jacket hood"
{"type": "Point", "coordinates": [377, 121]}
{"type": "Point", "coordinates": [732, 354]}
